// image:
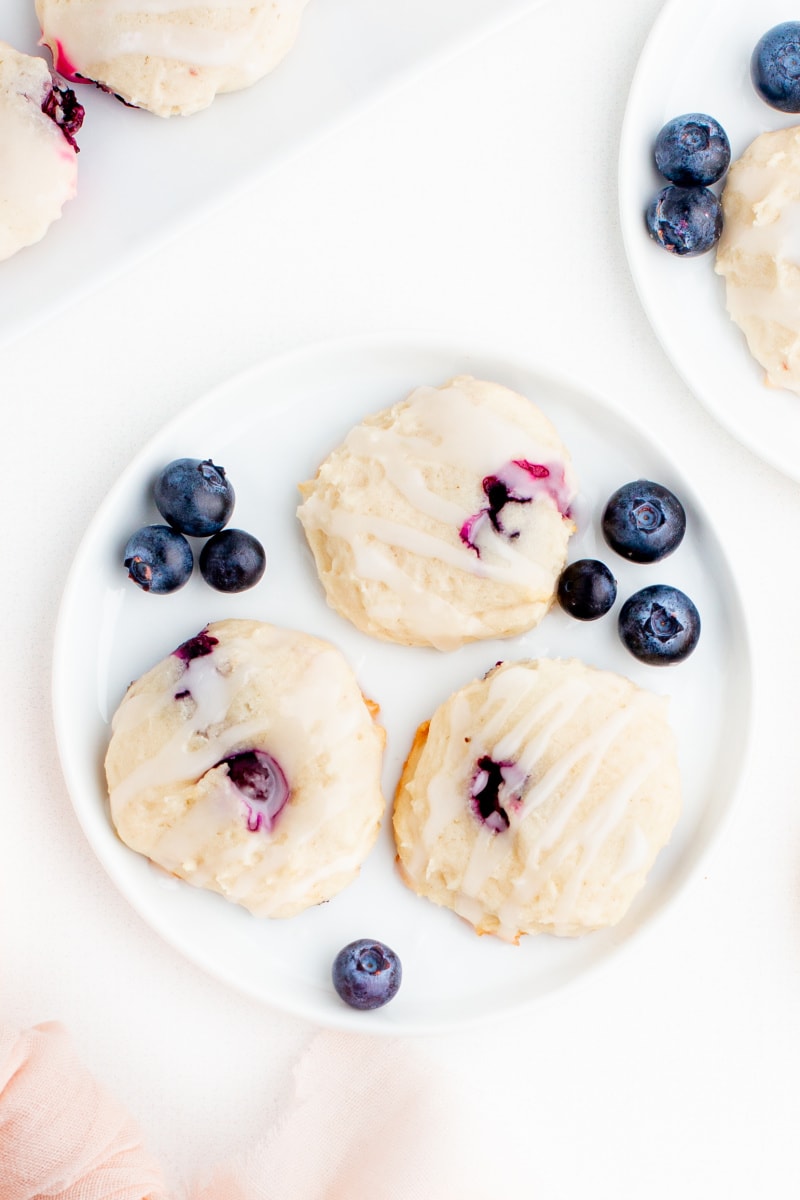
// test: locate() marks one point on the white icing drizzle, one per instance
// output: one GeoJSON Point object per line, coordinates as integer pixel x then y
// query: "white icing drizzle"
{"type": "Point", "coordinates": [532, 728]}
{"type": "Point", "coordinates": [354, 527]}
{"type": "Point", "coordinates": [423, 609]}
{"type": "Point", "coordinates": [198, 744]}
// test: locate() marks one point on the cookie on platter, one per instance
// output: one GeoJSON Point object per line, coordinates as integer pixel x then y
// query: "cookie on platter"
{"type": "Point", "coordinates": [38, 154]}
{"type": "Point", "coordinates": [758, 253]}
{"type": "Point", "coordinates": [169, 56]}
{"type": "Point", "coordinates": [248, 762]}
{"type": "Point", "coordinates": [537, 799]}
{"type": "Point", "coordinates": [445, 518]}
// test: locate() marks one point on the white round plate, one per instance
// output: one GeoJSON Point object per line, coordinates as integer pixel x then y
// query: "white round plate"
{"type": "Point", "coordinates": [697, 59]}
{"type": "Point", "coordinates": [270, 428]}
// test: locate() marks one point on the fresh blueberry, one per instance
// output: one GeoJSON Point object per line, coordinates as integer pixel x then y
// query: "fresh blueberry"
{"type": "Point", "coordinates": [232, 561]}
{"type": "Point", "coordinates": [775, 67]}
{"type": "Point", "coordinates": [366, 974]}
{"type": "Point", "coordinates": [659, 625]}
{"type": "Point", "coordinates": [194, 496]}
{"type": "Point", "coordinates": [158, 559]}
{"type": "Point", "coordinates": [692, 150]}
{"type": "Point", "coordinates": [587, 589]}
{"type": "Point", "coordinates": [644, 521]}
{"type": "Point", "coordinates": [685, 221]}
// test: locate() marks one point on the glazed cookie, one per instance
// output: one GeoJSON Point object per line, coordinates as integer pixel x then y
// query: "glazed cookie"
{"type": "Point", "coordinates": [759, 252]}
{"type": "Point", "coordinates": [444, 519]}
{"type": "Point", "coordinates": [537, 798]}
{"type": "Point", "coordinates": [169, 56]}
{"type": "Point", "coordinates": [38, 154]}
{"type": "Point", "coordinates": [248, 762]}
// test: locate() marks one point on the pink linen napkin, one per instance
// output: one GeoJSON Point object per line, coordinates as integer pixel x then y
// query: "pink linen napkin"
{"type": "Point", "coordinates": [369, 1119]}
{"type": "Point", "coordinates": [61, 1134]}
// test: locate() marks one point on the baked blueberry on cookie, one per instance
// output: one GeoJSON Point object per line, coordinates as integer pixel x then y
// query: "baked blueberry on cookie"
{"type": "Point", "coordinates": [38, 155]}
{"type": "Point", "coordinates": [248, 762]}
{"type": "Point", "coordinates": [444, 519]}
{"type": "Point", "coordinates": [537, 799]}
{"type": "Point", "coordinates": [169, 56]}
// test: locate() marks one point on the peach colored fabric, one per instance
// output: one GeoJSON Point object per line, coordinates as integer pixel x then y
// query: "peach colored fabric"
{"type": "Point", "coordinates": [368, 1118]}
{"type": "Point", "coordinates": [61, 1135]}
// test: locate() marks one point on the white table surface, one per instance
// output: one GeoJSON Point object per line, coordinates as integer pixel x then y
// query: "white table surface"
{"type": "Point", "coordinates": [479, 201]}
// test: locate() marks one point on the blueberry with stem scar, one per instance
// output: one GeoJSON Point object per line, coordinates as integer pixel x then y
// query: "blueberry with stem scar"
{"type": "Point", "coordinates": [366, 974]}
{"type": "Point", "coordinates": [194, 496]}
{"type": "Point", "coordinates": [659, 625]}
{"type": "Point", "coordinates": [159, 560]}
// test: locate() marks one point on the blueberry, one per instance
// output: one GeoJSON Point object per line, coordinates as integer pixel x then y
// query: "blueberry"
{"type": "Point", "coordinates": [61, 105]}
{"type": "Point", "coordinates": [366, 974]}
{"type": "Point", "coordinates": [197, 647]}
{"type": "Point", "coordinates": [262, 784]}
{"type": "Point", "coordinates": [644, 521]}
{"type": "Point", "coordinates": [685, 221]}
{"type": "Point", "coordinates": [775, 67]}
{"type": "Point", "coordinates": [232, 561]}
{"type": "Point", "coordinates": [158, 559]}
{"type": "Point", "coordinates": [587, 589]}
{"type": "Point", "coordinates": [194, 496]}
{"type": "Point", "coordinates": [692, 149]}
{"type": "Point", "coordinates": [659, 625]}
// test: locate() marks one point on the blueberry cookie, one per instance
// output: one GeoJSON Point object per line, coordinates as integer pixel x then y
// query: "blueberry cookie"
{"type": "Point", "coordinates": [248, 762]}
{"type": "Point", "coordinates": [169, 56]}
{"type": "Point", "coordinates": [759, 252]}
{"type": "Point", "coordinates": [444, 519]}
{"type": "Point", "coordinates": [38, 154]}
{"type": "Point", "coordinates": [537, 798]}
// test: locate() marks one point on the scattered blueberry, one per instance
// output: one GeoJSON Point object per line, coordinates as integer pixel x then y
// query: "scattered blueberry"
{"type": "Point", "coordinates": [685, 221]}
{"type": "Point", "coordinates": [366, 974]}
{"type": "Point", "coordinates": [644, 521]}
{"type": "Point", "coordinates": [587, 589]}
{"type": "Point", "coordinates": [232, 561]}
{"type": "Point", "coordinates": [194, 496]}
{"type": "Point", "coordinates": [659, 625]}
{"type": "Point", "coordinates": [158, 559]}
{"type": "Point", "coordinates": [692, 150]}
{"type": "Point", "coordinates": [775, 67]}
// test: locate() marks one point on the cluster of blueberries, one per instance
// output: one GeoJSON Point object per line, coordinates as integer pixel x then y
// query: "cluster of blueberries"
{"type": "Point", "coordinates": [644, 522]}
{"type": "Point", "coordinates": [196, 499]}
{"type": "Point", "coordinates": [692, 151]}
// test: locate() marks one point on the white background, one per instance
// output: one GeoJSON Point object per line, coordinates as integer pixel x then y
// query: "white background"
{"type": "Point", "coordinates": [479, 201]}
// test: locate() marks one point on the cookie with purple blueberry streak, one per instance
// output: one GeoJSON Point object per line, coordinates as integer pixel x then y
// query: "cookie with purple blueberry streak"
{"type": "Point", "coordinates": [38, 154]}
{"type": "Point", "coordinates": [248, 762]}
{"type": "Point", "coordinates": [445, 518]}
{"type": "Point", "coordinates": [537, 799]}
